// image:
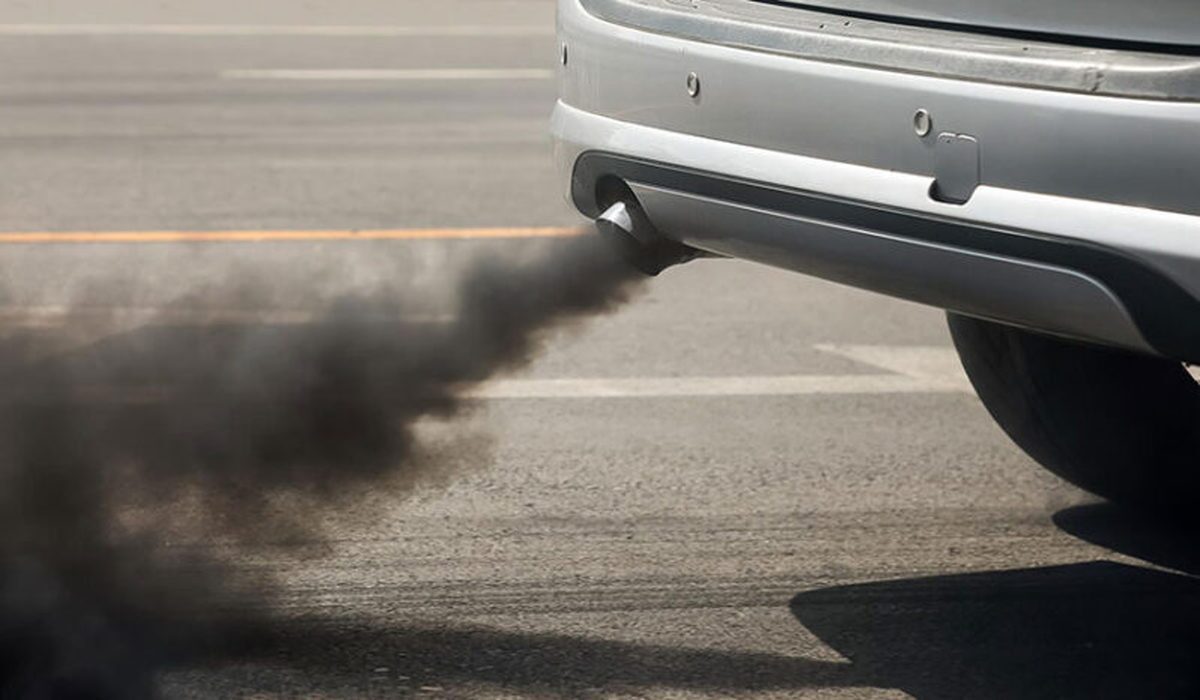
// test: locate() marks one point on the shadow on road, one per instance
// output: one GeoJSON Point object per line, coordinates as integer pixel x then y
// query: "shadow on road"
{"type": "Point", "coordinates": [1169, 543]}
{"type": "Point", "coordinates": [336, 657]}
{"type": "Point", "coordinates": [1089, 630]}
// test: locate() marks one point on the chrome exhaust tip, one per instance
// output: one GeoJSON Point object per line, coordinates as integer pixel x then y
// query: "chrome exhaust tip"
{"type": "Point", "coordinates": [627, 228]}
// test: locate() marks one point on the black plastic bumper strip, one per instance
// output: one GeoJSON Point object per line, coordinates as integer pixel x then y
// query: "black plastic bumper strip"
{"type": "Point", "coordinates": [1166, 314]}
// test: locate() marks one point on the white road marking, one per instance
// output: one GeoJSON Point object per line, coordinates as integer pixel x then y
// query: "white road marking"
{"type": "Point", "coordinates": [909, 369]}
{"type": "Point", "coordinates": [253, 30]}
{"type": "Point", "coordinates": [438, 74]}
{"type": "Point", "coordinates": [936, 365]}
{"type": "Point", "coordinates": [667, 387]}
{"type": "Point", "coordinates": [914, 369]}
{"type": "Point", "coordinates": [637, 387]}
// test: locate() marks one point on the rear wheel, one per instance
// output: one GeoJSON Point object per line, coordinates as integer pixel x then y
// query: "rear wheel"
{"type": "Point", "coordinates": [1123, 426]}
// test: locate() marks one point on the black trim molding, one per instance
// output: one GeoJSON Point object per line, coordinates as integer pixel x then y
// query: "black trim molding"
{"type": "Point", "coordinates": [1166, 314]}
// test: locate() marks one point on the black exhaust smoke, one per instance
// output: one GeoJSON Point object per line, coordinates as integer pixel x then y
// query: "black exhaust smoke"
{"type": "Point", "coordinates": [241, 434]}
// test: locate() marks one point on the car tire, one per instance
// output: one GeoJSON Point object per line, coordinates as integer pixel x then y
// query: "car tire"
{"type": "Point", "coordinates": [1121, 425]}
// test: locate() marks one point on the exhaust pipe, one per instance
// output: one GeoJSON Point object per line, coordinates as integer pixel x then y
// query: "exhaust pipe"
{"type": "Point", "coordinates": [627, 228]}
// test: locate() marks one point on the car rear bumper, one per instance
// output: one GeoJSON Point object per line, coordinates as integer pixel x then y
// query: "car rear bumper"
{"type": "Point", "coordinates": [1084, 219]}
{"type": "Point", "coordinates": [805, 32]}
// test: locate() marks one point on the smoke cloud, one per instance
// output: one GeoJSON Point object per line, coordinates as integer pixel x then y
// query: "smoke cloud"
{"type": "Point", "coordinates": [235, 433]}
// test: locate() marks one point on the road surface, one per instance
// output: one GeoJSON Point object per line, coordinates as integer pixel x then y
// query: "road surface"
{"type": "Point", "coordinates": [746, 483]}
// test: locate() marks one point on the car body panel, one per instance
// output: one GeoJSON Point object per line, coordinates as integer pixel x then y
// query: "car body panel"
{"type": "Point", "coordinates": [827, 37]}
{"type": "Point", "coordinates": [1163, 22]}
{"type": "Point", "coordinates": [1093, 171]}
{"type": "Point", "coordinates": [1128, 151]}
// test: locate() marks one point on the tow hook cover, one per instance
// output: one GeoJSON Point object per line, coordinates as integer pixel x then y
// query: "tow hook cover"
{"type": "Point", "coordinates": [955, 168]}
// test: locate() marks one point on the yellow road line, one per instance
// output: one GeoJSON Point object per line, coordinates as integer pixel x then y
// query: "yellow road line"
{"type": "Point", "coordinates": [261, 236]}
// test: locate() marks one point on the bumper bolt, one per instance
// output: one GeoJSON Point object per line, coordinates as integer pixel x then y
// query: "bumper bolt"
{"type": "Point", "coordinates": [693, 84]}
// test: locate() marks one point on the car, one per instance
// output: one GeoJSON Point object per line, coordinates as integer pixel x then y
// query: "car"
{"type": "Point", "coordinates": [1031, 168]}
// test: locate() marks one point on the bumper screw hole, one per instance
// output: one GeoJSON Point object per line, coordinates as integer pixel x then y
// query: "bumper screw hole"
{"type": "Point", "coordinates": [922, 122]}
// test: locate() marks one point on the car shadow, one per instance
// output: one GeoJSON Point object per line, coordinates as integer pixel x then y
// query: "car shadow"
{"type": "Point", "coordinates": [1160, 540]}
{"type": "Point", "coordinates": [324, 656]}
{"type": "Point", "coordinates": [1097, 629]}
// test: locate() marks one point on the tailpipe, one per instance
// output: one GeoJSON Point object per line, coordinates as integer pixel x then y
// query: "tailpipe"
{"type": "Point", "coordinates": [628, 230]}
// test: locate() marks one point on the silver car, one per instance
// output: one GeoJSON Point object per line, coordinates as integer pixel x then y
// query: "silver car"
{"type": "Point", "coordinates": [1033, 168]}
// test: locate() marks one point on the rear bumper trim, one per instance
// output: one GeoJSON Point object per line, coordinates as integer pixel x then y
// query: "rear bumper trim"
{"type": "Point", "coordinates": [830, 37]}
{"type": "Point", "coordinates": [1063, 286]}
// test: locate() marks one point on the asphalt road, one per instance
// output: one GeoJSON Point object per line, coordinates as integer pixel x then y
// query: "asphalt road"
{"type": "Point", "coordinates": [748, 483]}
